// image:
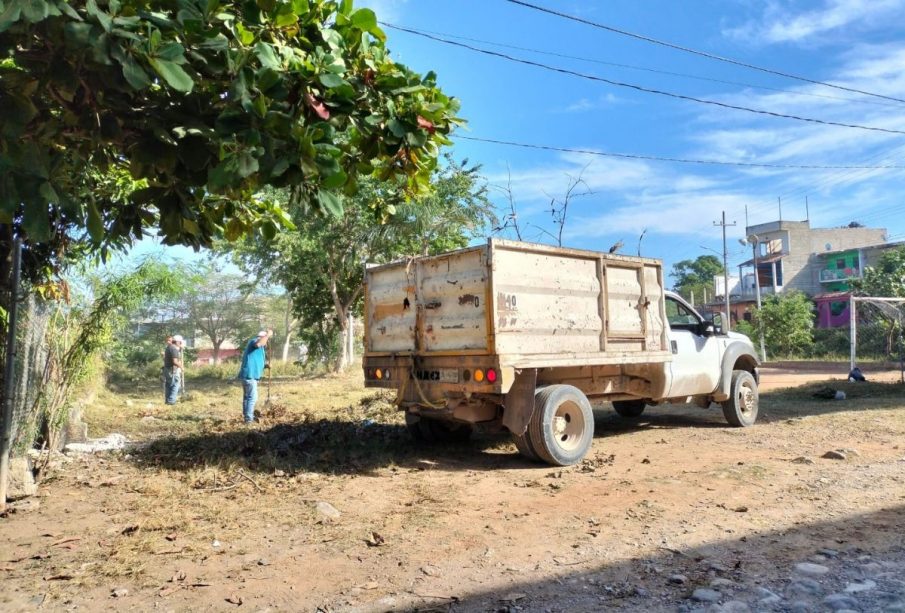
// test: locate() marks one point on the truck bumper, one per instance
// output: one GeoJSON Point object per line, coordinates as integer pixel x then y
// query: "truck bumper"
{"type": "Point", "coordinates": [438, 376]}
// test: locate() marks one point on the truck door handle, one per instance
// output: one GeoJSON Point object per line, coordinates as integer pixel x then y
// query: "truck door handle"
{"type": "Point", "coordinates": [674, 346]}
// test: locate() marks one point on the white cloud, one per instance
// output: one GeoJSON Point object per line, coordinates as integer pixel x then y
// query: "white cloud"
{"type": "Point", "coordinates": [599, 174]}
{"type": "Point", "coordinates": [587, 104]}
{"type": "Point", "coordinates": [782, 25]}
{"type": "Point", "coordinates": [581, 105]}
{"type": "Point", "coordinates": [673, 212]}
{"type": "Point", "coordinates": [386, 10]}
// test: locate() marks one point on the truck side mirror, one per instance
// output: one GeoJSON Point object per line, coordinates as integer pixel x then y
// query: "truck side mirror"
{"type": "Point", "coordinates": [715, 324]}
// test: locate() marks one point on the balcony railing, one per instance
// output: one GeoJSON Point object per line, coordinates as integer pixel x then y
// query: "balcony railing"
{"type": "Point", "coordinates": [764, 291]}
{"type": "Point", "coordinates": [829, 275]}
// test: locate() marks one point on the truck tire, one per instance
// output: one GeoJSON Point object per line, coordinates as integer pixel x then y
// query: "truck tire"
{"type": "Point", "coordinates": [740, 409]}
{"type": "Point", "coordinates": [562, 425]}
{"type": "Point", "coordinates": [523, 444]}
{"type": "Point", "coordinates": [629, 408]}
{"type": "Point", "coordinates": [426, 430]}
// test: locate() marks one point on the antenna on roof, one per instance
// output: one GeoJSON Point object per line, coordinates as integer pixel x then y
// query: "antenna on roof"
{"type": "Point", "coordinates": [807, 209]}
{"type": "Point", "coordinates": [779, 200]}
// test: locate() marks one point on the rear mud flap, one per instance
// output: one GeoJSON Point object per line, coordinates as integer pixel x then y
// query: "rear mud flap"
{"type": "Point", "coordinates": [519, 402]}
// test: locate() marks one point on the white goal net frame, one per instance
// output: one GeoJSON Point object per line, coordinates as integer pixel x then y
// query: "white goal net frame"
{"type": "Point", "coordinates": [892, 309]}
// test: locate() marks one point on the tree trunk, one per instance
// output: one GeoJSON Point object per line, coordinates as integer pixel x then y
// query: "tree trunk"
{"type": "Point", "coordinates": [286, 345]}
{"type": "Point", "coordinates": [287, 322]}
{"type": "Point", "coordinates": [343, 359]}
{"type": "Point", "coordinates": [217, 351]}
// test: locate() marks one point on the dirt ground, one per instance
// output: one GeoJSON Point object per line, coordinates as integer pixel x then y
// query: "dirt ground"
{"type": "Point", "coordinates": [328, 506]}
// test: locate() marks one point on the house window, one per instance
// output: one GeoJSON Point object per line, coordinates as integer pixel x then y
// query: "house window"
{"type": "Point", "coordinates": [840, 263]}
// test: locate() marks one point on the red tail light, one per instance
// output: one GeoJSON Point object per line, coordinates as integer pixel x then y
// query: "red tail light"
{"type": "Point", "coordinates": [491, 375]}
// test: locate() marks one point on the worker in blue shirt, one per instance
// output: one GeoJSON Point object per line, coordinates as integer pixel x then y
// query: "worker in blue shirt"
{"type": "Point", "coordinates": [254, 361]}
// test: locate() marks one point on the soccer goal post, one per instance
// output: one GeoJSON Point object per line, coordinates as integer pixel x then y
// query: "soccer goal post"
{"type": "Point", "coordinates": [883, 313]}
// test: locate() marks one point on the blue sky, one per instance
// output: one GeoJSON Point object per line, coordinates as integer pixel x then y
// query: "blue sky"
{"type": "Point", "coordinates": [852, 43]}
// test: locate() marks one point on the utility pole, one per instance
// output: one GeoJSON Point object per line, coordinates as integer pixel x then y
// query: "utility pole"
{"type": "Point", "coordinates": [779, 200]}
{"type": "Point", "coordinates": [753, 240]}
{"type": "Point", "coordinates": [723, 224]}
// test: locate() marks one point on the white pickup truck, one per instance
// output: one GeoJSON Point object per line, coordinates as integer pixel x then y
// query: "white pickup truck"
{"type": "Point", "coordinates": [519, 336]}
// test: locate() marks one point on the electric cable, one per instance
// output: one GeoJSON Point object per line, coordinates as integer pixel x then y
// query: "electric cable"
{"type": "Point", "coordinates": [642, 88]}
{"type": "Point", "coordinates": [683, 75]}
{"type": "Point", "coordinates": [711, 56]}
{"type": "Point", "coordinates": [634, 156]}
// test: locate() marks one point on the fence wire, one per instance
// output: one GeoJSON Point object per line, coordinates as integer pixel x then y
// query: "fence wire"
{"type": "Point", "coordinates": [879, 338]}
{"type": "Point", "coordinates": [30, 363]}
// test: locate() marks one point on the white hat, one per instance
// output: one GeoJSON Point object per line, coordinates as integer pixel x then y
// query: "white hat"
{"type": "Point", "coordinates": [178, 338]}
{"type": "Point", "coordinates": [263, 333]}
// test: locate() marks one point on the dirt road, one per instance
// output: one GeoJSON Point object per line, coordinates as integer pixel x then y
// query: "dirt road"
{"type": "Point", "coordinates": [673, 511]}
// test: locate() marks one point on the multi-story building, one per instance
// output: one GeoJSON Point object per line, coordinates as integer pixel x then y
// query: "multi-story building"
{"type": "Point", "coordinates": [821, 262]}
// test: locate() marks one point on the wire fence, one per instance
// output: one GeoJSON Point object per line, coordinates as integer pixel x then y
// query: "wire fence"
{"type": "Point", "coordinates": [879, 336]}
{"type": "Point", "coordinates": [31, 370]}
{"type": "Point", "coordinates": [29, 364]}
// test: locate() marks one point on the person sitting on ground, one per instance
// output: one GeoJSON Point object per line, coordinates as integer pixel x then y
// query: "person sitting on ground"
{"type": "Point", "coordinates": [172, 369]}
{"type": "Point", "coordinates": [254, 361]}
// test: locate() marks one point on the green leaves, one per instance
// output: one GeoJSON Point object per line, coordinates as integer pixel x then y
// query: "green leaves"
{"type": "Point", "coordinates": [173, 74]}
{"type": "Point", "coordinates": [266, 55]}
{"type": "Point", "coordinates": [9, 14]}
{"type": "Point", "coordinates": [328, 79]}
{"type": "Point", "coordinates": [330, 202]}
{"type": "Point", "coordinates": [105, 20]}
{"type": "Point", "coordinates": [134, 73]}
{"type": "Point", "coordinates": [95, 223]}
{"type": "Point", "coordinates": [205, 102]}
{"type": "Point", "coordinates": [366, 20]}
{"type": "Point", "coordinates": [33, 10]}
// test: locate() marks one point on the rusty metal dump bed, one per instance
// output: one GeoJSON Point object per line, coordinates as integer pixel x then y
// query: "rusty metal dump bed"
{"type": "Point", "coordinates": [530, 305]}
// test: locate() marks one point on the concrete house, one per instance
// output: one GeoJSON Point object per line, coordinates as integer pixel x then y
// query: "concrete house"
{"type": "Point", "coordinates": [821, 262]}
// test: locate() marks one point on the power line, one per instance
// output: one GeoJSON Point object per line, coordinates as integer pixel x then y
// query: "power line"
{"type": "Point", "coordinates": [639, 87]}
{"type": "Point", "coordinates": [711, 56]}
{"type": "Point", "coordinates": [654, 70]}
{"type": "Point", "coordinates": [657, 158]}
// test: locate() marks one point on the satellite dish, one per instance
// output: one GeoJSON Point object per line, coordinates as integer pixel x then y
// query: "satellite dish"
{"type": "Point", "coordinates": [743, 242]}
{"type": "Point", "coordinates": [752, 239]}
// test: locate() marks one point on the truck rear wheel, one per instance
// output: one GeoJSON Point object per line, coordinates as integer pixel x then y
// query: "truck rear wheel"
{"type": "Point", "coordinates": [629, 408]}
{"type": "Point", "coordinates": [562, 425]}
{"type": "Point", "coordinates": [429, 430]}
{"type": "Point", "coordinates": [740, 409]}
{"type": "Point", "coordinates": [523, 444]}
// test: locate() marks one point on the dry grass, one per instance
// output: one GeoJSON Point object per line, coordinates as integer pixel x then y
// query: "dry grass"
{"type": "Point", "coordinates": [197, 471]}
{"type": "Point", "coordinates": [200, 475]}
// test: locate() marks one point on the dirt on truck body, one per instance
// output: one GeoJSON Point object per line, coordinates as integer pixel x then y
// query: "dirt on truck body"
{"type": "Point", "coordinates": [519, 336]}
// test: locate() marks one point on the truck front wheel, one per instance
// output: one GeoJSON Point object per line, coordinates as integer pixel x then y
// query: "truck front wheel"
{"type": "Point", "coordinates": [562, 425]}
{"type": "Point", "coordinates": [629, 408]}
{"type": "Point", "coordinates": [740, 409]}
